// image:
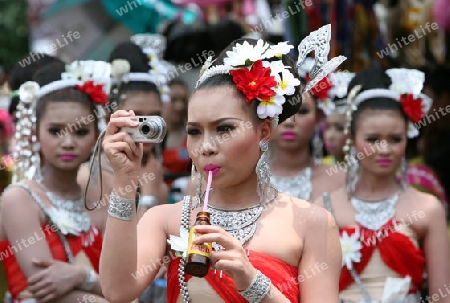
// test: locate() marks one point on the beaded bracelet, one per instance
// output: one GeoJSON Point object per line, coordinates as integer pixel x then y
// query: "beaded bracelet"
{"type": "Point", "coordinates": [258, 289]}
{"type": "Point", "coordinates": [121, 208]}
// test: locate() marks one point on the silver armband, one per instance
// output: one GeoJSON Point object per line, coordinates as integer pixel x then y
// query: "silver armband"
{"type": "Point", "coordinates": [148, 201]}
{"type": "Point", "coordinates": [258, 289]}
{"type": "Point", "coordinates": [90, 280]}
{"type": "Point", "coordinates": [121, 208]}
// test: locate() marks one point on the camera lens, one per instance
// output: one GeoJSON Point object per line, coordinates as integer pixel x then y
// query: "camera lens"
{"type": "Point", "coordinates": [145, 129]}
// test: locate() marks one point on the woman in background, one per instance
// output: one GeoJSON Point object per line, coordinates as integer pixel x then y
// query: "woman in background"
{"type": "Point", "coordinates": [44, 200]}
{"type": "Point", "coordinates": [392, 233]}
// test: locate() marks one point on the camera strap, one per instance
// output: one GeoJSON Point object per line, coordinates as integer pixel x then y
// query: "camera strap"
{"type": "Point", "coordinates": [92, 164]}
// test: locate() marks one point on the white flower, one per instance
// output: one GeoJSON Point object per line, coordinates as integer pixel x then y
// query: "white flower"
{"type": "Point", "coordinates": [276, 67]}
{"type": "Point", "coordinates": [412, 131]}
{"type": "Point", "coordinates": [180, 244]}
{"type": "Point", "coordinates": [74, 71]}
{"type": "Point", "coordinates": [119, 68]}
{"type": "Point", "coordinates": [282, 48]}
{"type": "Point", "coordinates": [268, 109]}
{"type": "Point", "coordinates": [62, 219]}
{"type": "Point", "coordinates": [28, 92]}
{"type": "Point", "coordinates": [351, 247]}
{"type": "Point", "coordinates": [242, 53]}
{"type": "Point", "coordinates": [327, 106]}
{"type": "Point", "coordinates": [287, 83]}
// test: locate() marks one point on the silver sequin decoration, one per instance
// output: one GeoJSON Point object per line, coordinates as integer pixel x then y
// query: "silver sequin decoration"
{"type": "Point", "coordinates": [297, 186]}
{"type": "Point", "coordinates": [373, 215]}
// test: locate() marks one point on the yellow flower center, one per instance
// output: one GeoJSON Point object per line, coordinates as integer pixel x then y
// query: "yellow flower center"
{"type": "Point", "coordinates": [283, 84]}
{"type": "Point", "coordinates": [253, 83]}
{"type": "Point", "coordinates": [269, 102]}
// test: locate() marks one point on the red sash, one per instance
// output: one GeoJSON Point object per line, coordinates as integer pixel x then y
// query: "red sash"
{"type": "Point", "coordinates": [396, 250]}
{"type": "Point", "coordinates": [17, 281]}
{"type": "Point", "coordinates": [282, 275]}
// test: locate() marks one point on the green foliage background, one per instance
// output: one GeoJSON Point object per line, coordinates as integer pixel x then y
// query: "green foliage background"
{"type": "Point", "coordinates": [13, 31]}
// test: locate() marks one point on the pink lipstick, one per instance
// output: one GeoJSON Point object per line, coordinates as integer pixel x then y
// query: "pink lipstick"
{"type": "Point", "coordinates": [384, 162]}
{"type": "Point", "coordinates": [67, 157]}
{"type": "Point", "coordinates": [212, 168]}
{"type": "Point", "coordinates": [288, 135]}
{"type": "Point", "coordinates": [329, 146]}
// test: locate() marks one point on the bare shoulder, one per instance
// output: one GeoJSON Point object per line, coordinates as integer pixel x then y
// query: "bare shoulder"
{"type": "Point", "coordinates": [16, 198]}
{"type": "Point", "coordinates": [14, 201]}
{"type": "Point", "coordinates": [427, 205]}
{"type": "Point", "coordinates": [314, 216]}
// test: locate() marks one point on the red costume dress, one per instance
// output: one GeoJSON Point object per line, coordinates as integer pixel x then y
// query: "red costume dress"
{"type": "Point", "coordinates": [389, 254]}
{"type": "Point", "coordinates": [85, 249]}
{"type": "Point", "coordinates": [216, 286]}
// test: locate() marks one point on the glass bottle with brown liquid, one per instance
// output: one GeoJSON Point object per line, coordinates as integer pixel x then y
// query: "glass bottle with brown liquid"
{"type": "Point", "coordinates": [198, 257]}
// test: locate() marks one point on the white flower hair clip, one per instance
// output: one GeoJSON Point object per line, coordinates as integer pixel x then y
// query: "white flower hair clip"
{"type": "Point", "coordinates": [406, 88]}
{"type": "Point", "coordinates": [259, 73]}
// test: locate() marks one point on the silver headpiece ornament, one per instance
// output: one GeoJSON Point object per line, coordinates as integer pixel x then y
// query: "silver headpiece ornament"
{"type": "Point", "coordinates": [244, 56]}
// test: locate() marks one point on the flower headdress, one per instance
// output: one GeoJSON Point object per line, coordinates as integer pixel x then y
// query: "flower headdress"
{"type": "Point", "coordinates": [269, 82]}
{"type": "Point", "coordinates": [90, 77]}
{"type": "Point", "coordinates": [406, 88]}
{"type": "Point", "coordinates": [154, 45]}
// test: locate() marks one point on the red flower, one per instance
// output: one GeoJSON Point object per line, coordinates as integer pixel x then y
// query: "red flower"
{"type": "Point", "coordinates": [412, 107]}
{"type": "Point", "coordinates": [321, 89]}
{"type": "Point", "coordinates": [95, 92]}
{"type": "Point", "coordinates": [256, 82]}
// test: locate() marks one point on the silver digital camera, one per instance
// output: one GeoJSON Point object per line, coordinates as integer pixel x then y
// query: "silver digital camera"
{"type": "Point", "coordinates": [151, 129]}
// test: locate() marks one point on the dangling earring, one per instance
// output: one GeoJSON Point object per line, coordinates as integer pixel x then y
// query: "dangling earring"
{"type": "Point", "coordinates": [193, 171]}
{"type": "Point", "coordinates": [352, 171]}
{"type": "Point", "coordinates": [36, 159]}
{"type": "Point", "coordinates": [404, 173]}
{"type": "Point", "coordinates": [263, 172]}
{"type": "Point", "coordinates": [317, 146]}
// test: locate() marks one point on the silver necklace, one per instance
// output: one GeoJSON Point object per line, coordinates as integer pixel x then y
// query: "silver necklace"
{"type": "Point", "coordinates": [297, 186]}
{"type": "Point", "coordinates": [373, 215]}
{"type": "Point", "coordinates": [240, 223]}
{"type": "Point", "coordinates": [75, 208]}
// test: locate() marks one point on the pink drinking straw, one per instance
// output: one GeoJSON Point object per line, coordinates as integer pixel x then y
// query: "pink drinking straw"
{"type": "Point", "coordinates": [208, 188]}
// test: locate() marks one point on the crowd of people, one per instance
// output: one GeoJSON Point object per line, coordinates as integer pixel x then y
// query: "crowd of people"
{"type": "Point", "coordinates": [322, 184]}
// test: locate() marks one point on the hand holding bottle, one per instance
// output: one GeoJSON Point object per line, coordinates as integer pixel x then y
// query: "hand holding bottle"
{"type": "Point", "coordinates": [232, 259]}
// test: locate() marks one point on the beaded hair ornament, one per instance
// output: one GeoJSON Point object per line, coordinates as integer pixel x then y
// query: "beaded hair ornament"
{"type": "Point", "coordinates": [269, 82]}
{"type": "Point", "coordinates": [90, 77]}
{"type": "Point", "coordinates": [406, 88]}
{"type": "Point", "coordinates": [153, 46]}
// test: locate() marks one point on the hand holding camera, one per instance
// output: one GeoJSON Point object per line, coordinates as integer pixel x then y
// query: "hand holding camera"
{"type": "Point", "coordinates": [122, 142]}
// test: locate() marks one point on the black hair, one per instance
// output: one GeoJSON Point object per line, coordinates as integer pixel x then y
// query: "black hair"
{"type": "Point", "coordinates": [372, 78]}
{"type": "Point", "coordinates": [50, 73]}
{"type": "Point", "coordinates": [139, 63]}
{"type": "Point", "coordinates": [290, 107]}
{"type": "Point", "coordinates": [23, 71]}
